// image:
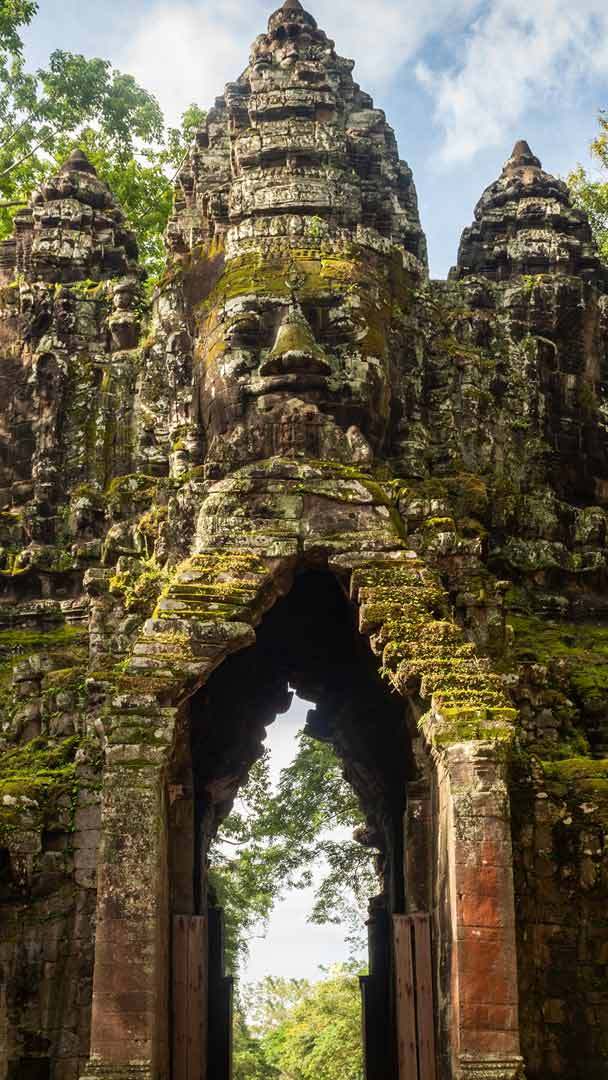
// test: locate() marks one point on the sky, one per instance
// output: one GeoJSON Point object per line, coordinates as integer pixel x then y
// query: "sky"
{"type": "Point", "coordinates": [459, 80]}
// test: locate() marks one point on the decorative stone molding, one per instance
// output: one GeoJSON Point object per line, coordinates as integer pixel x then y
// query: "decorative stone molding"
{"type": "Point", "coordinates": [98, 1070]}
{"type": "Point", "coordinates": [491, 1069]}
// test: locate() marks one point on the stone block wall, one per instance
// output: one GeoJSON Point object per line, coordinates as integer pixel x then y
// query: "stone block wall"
{"type": "Point", "coordinates": [300, 397]}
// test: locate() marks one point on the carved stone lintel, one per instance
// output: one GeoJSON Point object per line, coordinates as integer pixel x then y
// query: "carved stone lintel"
{"type": "Point", "coordinates": [491, 1068]}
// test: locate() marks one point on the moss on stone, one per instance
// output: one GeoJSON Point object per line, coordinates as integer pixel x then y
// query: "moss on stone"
{"type": "Point", "coordinates": [215, 586]}
{"type": "Point", "coordinates": [464, 496]}
{"type": "Point", "coordinates": [458, 351]}
{"type": "Point", "coordinates": [24, 640]}
{"type": "Point", "coordinates": [582, 784]}
{"type": "Point", "coordinates": [65, 646]}
{"type": "Point", "coordinates": [381, 287]}
{"type": "Point", "coordinates": [140, 586]}
{"type": "Point", "coordinates": [423, 651]}
{"type": "Point", "coordinates": [133, 487]}
{"type": "Point", "coordinates": [576, 768]}
{"type": "Point", "coordinates": [67, 642]}
{"type": "Point", "coordinates": [580, 648]}
{"type": "Point", "coordinates": [440, 524]}
{"type": "Point", "coordinates": [33, 778]}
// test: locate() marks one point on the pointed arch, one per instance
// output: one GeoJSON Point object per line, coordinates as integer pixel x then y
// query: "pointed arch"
{"type": "Point", "coordinates": [457, 820]}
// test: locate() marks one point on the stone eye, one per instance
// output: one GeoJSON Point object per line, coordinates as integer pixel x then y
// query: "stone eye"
{"type": "Point", "coordinates": [245, 332]}
{"type": "Point", "coordinates": [332, 328]}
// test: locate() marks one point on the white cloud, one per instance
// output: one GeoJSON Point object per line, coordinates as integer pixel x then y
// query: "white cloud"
{"type": "Point", "coordinates": [516, 55]}
{"type": "Point", "coordinates": [511, 55]}
{"type": "Point", "coordinates": [383, 36]}
{"type": "Point", "coordinates": [187, 51]}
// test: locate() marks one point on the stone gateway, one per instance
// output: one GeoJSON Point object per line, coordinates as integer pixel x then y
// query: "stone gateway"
{"type": "Point", "coordinates": [309, 467]}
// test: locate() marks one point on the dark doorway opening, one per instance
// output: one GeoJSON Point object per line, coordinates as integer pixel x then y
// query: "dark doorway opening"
{"type": "Point", "coordinates": [309, 642]}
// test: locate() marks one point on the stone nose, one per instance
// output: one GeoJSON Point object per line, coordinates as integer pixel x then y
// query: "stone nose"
{"type": "Point", "coordinates": [295, 349]}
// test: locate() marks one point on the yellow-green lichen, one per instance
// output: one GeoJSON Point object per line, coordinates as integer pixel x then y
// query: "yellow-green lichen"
{"type": "Point", "coordinates": [222, 586]}
{"type": "Point", "coordinates": [132, 488]}
{"type": "Point", "coordinates": [380, 286]}
{"type": "Point", "coordinates": [582, 784]}
{"type": "Point", "coordinates": [140, 586]}
{"type": "Point", "coordinates": [423, 651]}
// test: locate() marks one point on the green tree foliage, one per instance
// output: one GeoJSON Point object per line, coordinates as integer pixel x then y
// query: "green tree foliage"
{"type": "Point", "coordinates": [319, 1036]}
{"type": "Point", "coordinates": [249, 1060]}
{"type": "Point", "coordinates": [76, 101]}
{"type": "Point", "coordinates": [591, 193]}
{"type": "Point", "coordinates": [13, 15]}
{"type": "Point", "coordinates": [292, 1029]}
{"type": "Point", "coordinates": [41, 112]}
{"type": "Point", "coordinates": [270, 1002]}
{"type": "Point", "coordinates": [275, 839]}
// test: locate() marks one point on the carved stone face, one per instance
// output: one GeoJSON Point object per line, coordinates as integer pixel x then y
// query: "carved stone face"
{"type": "Point", "coordinates": [291, 348]}
{"type": "Point", "coordinates": [300, 54]}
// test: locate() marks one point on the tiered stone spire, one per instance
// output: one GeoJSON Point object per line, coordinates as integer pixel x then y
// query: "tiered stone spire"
{"type": "Point", "coordinates": [72, 230]}
{"type": "Point", "coordinates": [296, 155]}
{"type": "Point", "coordinates": [521, 156]}
{"type": "Point", "coordinates": [525, 224]}
{"type": "Point", "coordinates": [304, 420]}
{"type": "Point", "coordinates": [290, 10]}
{"type": "Point", "coordinates": [78, 162]}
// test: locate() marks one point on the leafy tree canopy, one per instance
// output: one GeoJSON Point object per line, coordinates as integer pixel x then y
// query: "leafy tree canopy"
{"type": "Point", "coordinates": [275, 839]}
{"type": "Point", "coordinates": [270, 1002]}
{"type": "Point", "coordinates": [591, 193]}
{"type": "Point", "coordinates": [76, 101]}
{"type": "Point", "coordinates": [292, 1029]}
{"type": "Point", "coordinates": [250, 1061]}
{"type": "Point", "coordinates": [13, 15]}
{"type": "Point", "coordinates": [319, 1037]}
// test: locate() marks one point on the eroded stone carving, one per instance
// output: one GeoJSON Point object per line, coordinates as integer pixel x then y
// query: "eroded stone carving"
{"type": "Point", "coordinates": [525, 224]}
{"type": "Point", "coordinates": [302, 399]}
{"type": "Point", "coordinates": [302, 366]}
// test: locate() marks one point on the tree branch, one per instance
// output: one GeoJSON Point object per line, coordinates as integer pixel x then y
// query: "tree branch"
{"type": "Point", "coordinates": [27, 156]}
{"type": "Point", "coordinates": [170, 183]}
{"type": "Point", "coordinates": [15, 131]}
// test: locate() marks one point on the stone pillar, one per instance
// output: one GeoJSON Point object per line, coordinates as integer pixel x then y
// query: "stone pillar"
{"type": "Point", "coordinates": [129, 1029]}
{"type": "Point", "coordinates": [131, 985]}
{"type": "Point", "coordinates": [474, 808]}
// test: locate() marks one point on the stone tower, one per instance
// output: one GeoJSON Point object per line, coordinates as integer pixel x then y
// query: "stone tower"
{"type": "Point", "coordinates": [307, 466]}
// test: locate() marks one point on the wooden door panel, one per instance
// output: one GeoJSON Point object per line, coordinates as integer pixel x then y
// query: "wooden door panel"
{"type": "Point", "coordinates": [189, 998]}
{"type": "Point", "coordinates": [415, 1014]}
